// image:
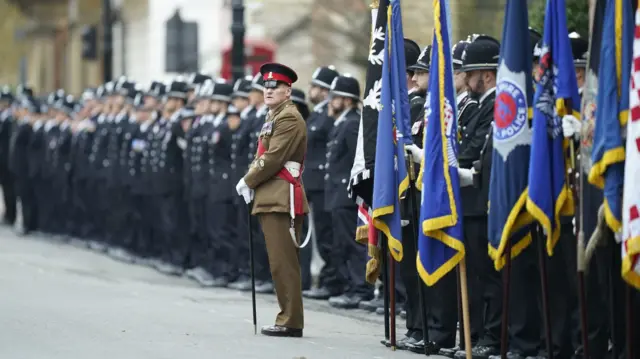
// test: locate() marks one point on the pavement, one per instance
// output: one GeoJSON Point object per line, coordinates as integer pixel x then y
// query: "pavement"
{"type": "Point", "coordinates": [58, 301]}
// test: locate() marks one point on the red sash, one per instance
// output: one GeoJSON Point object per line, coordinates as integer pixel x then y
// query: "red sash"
{"type": "Point", "coordinates": [285, 175]}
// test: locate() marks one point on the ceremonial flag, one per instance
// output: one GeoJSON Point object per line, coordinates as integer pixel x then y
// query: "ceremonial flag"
{"type": "Point", "coordinates": [590, 196]}
{"type": "Point", "coordinates": [556, 95]}
{"type": "Point", "coordinates": [440, 238]}
{"type": "Point", "coordinates": [612, 108]}
{"type": "Point", "coordinates": [392, 179]}
{"type": "Point", "coordinates": [631, 195]}
{"type": "Point", "coordinates": [508, 218]}
{"type": "Point", "coordinates": [361, 183]}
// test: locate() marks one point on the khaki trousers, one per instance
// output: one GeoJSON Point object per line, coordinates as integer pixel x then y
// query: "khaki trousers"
{"type": "Point", "coordinates": [285, 266]}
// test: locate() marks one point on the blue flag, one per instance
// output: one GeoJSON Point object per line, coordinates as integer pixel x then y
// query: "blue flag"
{"type": "Point", "coordinates": [440, 238]}
{"type": "Point", "coordinates": [508, 218]}
{"type": "Point", "coordinates": [612, 108]}
{"type": "Point", "coordinates": [556, 95]}
{"type": "Point", "coordinates": [390, 171]}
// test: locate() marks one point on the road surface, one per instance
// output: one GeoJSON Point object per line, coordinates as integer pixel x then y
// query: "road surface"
{"type": "Point", "coordinates": [58, 301]}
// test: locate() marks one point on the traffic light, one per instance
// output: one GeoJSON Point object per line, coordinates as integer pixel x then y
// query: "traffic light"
{"type": "Point", "coordinates": [90, 42]}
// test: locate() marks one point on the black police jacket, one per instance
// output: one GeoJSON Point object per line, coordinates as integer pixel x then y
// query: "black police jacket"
{"type": "Point", "coordinates": [167, 157]}
{"type": "Point", "coordinates": [19, 151]}
{"type": "Point", "coordinates": [6, 128]}
{"type": "Point", "coordinates": [197, 157]}
{"type": "Point", "coordinates": [241, 145]}
{"type": "Point", "coordinates": [341, 150]}
{"type": "Point", "coordinates": [319, 125]}
{"type": "Point", "coordinates": [473, 138]}
{"type": "Point", "coordinates": [221, 188]}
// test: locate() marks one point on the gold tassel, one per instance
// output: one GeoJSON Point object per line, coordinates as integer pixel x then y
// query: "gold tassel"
{"type": "Point", "coordinates": [373, 265]}
{"type": "Point", "coordinates": [362, 234]}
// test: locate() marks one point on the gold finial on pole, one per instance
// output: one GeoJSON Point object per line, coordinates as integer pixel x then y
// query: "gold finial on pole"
{"type": "Point", "coordinates": [375, 4]}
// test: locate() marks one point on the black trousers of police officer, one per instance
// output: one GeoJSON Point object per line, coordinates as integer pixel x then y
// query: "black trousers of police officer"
{"type": "Point", "coordinates": [350, 253]}
{"type": "Point", "coordinates": [220, 227]}
{"type": "Point", "coordinates": [9, 195]}
{"type": "Point", "coordinates": [323, 238]}
{"type": "Point", "coordinates": [485, 284]}
{"type": "Point", "coordinates": [171, 230]}
{"type": "Point", "coordinates": [442, 308]}
{"type": "Point", "coordinates": [26, 194]}
{"type": "Point", "coordinates": [200, 246]}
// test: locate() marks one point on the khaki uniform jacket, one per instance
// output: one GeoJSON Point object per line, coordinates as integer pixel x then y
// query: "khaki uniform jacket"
{"type": "Point", "coordinates": [284, 137]}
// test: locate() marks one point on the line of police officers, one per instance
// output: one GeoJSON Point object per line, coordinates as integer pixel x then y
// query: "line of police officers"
{"type": "Point", "coordinates": [147, 176]}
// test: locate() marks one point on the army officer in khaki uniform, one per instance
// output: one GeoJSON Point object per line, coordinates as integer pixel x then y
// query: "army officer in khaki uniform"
{"type": "Point", "coordinates": [274, 184]}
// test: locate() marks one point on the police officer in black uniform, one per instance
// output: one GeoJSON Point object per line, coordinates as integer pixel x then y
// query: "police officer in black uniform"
{"type": "Point", "coordinates": [6, 178]}
{"type": "Point", "coordinates": [19, 158]}
{"type": "Point", "coordinates": [166, 165]}
{"type": "Point", "coordinates": [341, 149]}
{"type": "Point", "coordinates": [61, 180]}
{"type": "Point", "coordinates": [99, 169]}
{"type": "Point", "coordinates": [148, 247]}
{"type": "Point", "coordinates": [480, 62]}
{"type": "Point", "coordinates": [220, 211]}
{"type": "Point", "coordinates": [81, 193]}
{"type": "Point", "coordinates": [244, 98]}
{"type": "Point", "coordinates": [319, 125]}
{"type": "Point", "coordinates": [197, 184]}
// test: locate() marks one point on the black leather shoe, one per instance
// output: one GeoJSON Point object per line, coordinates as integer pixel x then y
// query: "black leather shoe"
{"type": "Point", "coordinates": [399, 308]}
{"type": "Point", "coordinates": [510, 355]}
{"type": "Point", "coordinates": [322, 293]}
{"type": "Point", "coordinates": [419, 348]}
{"type": "Point", "coordinates": [345, 301]}
{"type": "Point", "coordinates": [243, 284]}
{"type": "Point", "coordinates": [371, 305]}
{"type": "Point", "coordinates": [478, 352]}
{"type": "Point", "coordinates": [220, 282]}
{"type": "Point", "coordinates": [449, 352]}
{"type": "Point", "coordinates": [265, 288]}
{"type": "Point", "coordinates": [406, 342]}
{"type": "Point", "coordinates": [280, 331]}
{"type": "Point", "coordinates": [399, 342]}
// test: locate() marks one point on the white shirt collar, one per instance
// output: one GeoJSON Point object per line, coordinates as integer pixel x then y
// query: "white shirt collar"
{"type": "Point", "coordinates": [342, 117]}
{"type": "Point", "coordinates": [218, 119]}
{"type": "Point", "coordinates": [486, 94]}
{"type": "Point", "coordinates": [244, 113]}
{"type": "Point", "coordinates": [461, 96]}
{"type": "Point", "coordinates": [320, 106]}
{"type": "Point", "coordinates": [262, 110]}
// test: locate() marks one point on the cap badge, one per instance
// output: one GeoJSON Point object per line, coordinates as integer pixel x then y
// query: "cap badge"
{"type": "Point", "coordinates": [270, 75]}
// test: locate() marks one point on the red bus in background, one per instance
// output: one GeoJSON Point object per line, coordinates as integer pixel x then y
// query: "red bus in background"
{"type": "Point", "coordinates": [257, 52]}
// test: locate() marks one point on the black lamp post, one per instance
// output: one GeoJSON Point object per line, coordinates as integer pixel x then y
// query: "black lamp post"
{"type": "Point", "coordinates": [237, 32]}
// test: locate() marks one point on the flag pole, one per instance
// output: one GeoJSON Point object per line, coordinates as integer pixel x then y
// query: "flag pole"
{"type": "Point", "coordinates": [506, 281]}
{"type": "Point", "coordinates": [544, 283]}
{"type": "Point", "coordinates": [392, 302]}
{"type": "Point", "coordinates": [385, 281]}
{"type": "Point", "coordinates": [461, 326]}
{"type": "Point", "coordinates": [464, 294]}
{"type": "Point", "coordinates": [414, 223]}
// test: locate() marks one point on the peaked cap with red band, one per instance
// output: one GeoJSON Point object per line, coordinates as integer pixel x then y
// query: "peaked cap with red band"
{"type": "Point", "coordinates": [278, 72]}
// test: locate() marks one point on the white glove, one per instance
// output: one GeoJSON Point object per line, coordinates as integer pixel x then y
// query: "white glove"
{"type": "Point", "coordinates": [415, 151]}
{"type": "Point", "coordinates": [571, 126]}
{"type": "Point", "coordinates": [466, 176]}
{"type": "Point", "coordinates": [244, 191]}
